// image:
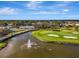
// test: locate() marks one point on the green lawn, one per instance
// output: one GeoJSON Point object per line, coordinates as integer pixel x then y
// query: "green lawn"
{"type": "Point", "coordinates": [57, 36]}
{"type": "Point", "coordinates": [2, 44]}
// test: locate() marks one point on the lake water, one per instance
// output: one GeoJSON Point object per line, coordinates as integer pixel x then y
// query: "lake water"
{"type": "Point", "coordinates": [18, 48]}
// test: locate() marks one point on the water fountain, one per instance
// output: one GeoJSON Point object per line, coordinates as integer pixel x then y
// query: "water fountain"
{"type": "Point", "coordinates": [29, 45]}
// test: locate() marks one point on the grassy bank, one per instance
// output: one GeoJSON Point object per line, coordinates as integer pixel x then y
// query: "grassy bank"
{"type": "Point", "coordinates": [57, 36]}
{"type": "Point", "coordinates": [2, 45]}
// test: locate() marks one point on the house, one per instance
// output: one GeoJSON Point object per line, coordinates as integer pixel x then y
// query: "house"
{"type": "Point", "coordinates": [2, 27]}
{"type": "Point", "coordinates": [26, 27]}
{"type": "Point", "coordinates": [69, 23]}
{"type": "Point", "coordinates": [9, 26]}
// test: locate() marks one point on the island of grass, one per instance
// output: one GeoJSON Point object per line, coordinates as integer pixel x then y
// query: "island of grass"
{"type": "Point", "coordinates": [2, 45]}
{"type": "Point", "coordinates": [57, 36]}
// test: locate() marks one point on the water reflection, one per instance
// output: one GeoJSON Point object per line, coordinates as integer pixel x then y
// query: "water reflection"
{"type": "Point", "coordinates": [27, 46]}
{"type": "Point", "coordinates": [50, 49]}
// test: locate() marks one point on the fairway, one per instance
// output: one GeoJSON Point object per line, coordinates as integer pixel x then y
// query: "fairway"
{"type": "Point", "coordinates": [57, 36]}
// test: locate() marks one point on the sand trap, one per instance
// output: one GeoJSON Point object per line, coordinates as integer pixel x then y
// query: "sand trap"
{"type": "Point", "coordinates": [53, 35]}
{"type": "Point", "coordinates": [72, 37]}
{"type": "Point", "coordinates": [75, 32]}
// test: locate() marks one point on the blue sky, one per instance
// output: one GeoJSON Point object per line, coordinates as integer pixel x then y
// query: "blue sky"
{"type": "Point", "coordinates": [41, 10]}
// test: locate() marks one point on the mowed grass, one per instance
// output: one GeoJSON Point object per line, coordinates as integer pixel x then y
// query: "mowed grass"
{"type": "Point", "coordinates": [2, 44]}
{"type": "Point", "coordinates": [43, 35]}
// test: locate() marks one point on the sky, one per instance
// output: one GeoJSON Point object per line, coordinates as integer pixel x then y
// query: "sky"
{"type": "Point", "coordinates": [39, 10]}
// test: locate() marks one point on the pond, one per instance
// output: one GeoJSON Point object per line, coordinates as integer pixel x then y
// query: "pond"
{"type": "Point", "coordinates": [26, 46]}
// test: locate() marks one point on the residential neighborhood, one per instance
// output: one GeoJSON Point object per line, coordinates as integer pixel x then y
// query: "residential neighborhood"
{"type": "Point", "coordinates": [39, 25]}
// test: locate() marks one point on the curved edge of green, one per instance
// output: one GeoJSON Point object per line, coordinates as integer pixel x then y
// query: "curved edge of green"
{"type": "Point", "coordinates": [40, 37]}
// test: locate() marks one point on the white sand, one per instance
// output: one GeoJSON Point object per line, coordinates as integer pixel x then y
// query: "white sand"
{"type": "Point", "coordinates": [53, 35]}
{"type": "Point", "coordinates": [72, 37]}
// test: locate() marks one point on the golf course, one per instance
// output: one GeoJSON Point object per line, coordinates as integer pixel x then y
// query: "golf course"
{"type": "Point", "coordinates": [57, 36]}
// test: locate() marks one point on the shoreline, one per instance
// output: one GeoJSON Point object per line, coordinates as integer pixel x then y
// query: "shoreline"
{"type": "Point", "coordinates": [3, 39]}
{"type": "Point", "coordinates": [13, 35]}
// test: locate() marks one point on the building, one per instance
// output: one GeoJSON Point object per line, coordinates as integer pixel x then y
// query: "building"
{"type": "Point", "coordinates": [26, 27]}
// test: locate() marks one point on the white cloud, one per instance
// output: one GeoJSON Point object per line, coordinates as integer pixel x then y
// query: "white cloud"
{"type": "Point", "coordinates": [48, 12]}
{"type": "Point", "coordinates": [66, 10]}
{"type": "Point", "coordinates": [8, 11]}
{"type": "Point", "coordinates": [74, 15]}
{"type": "Point", "coordinates": [63, 4]}
{"type": "Point", "coordinates": [34, 4]}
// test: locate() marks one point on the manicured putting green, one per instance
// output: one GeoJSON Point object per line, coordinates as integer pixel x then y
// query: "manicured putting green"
{"type": "Point", "coordinates": [57, 36]}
